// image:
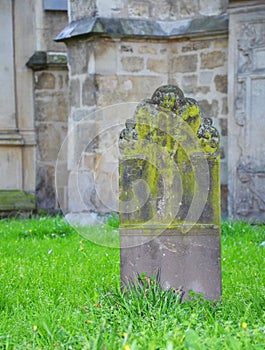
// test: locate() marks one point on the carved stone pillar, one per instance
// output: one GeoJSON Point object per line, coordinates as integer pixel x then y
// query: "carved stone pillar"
{"type": "Point", "coordinates": [247, 111]}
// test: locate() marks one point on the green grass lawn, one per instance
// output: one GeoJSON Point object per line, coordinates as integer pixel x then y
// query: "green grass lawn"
{"type": "Point", "coordinates": [60, 291]}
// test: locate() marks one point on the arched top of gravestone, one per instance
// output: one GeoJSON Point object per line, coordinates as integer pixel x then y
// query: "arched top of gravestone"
{"type": "Point", "coordinates": [168, 113]}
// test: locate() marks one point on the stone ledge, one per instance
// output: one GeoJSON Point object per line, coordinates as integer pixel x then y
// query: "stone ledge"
{"type": "Point", "coordinates": [11, 139]}
{"type": "Point", "coordinates": [16, 200]}
{"type": "Point", "coordinates": [41, 60]}
{"type": "Point", "coordinates": [17, 139]}
{"type": "Point", "coordinates": [136, 28]}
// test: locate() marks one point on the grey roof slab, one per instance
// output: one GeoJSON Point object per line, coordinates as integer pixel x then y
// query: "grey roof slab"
{"type": "Point", "coordinates": [120, 27]}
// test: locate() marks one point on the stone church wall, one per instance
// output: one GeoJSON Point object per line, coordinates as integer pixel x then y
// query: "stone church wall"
{"type": "Point", "coordinates": [107, 71]}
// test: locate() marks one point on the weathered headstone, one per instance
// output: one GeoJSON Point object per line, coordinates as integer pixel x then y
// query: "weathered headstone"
{"type": "Point", "coordinates": [170, 195]}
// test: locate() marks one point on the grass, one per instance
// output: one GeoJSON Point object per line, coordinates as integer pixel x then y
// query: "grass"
{"type": "Point", "coordinates": [61, 291]}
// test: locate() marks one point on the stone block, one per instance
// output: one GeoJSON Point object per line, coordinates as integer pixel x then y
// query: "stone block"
{"type": "Point", "coordinates": [147, 49]}
{"type": "Point", "coordinates": [126, 48]}
{"type": "Point", "coordinates": [79, 114]}
{"type": "Point", "coordinates": [223, 126]}
{"type": "Point", "coordinates": [157, 65]}
{"type": "Point", "coordinates": [221, 83]}
{"type": "Point", "coordinates": [50, 136]}
{"type": "Point", "coordinates": [224, 106]}
{"type": "Point", "coordinates": [184, 64]}
{"type": "Point", "coordinates": [189, 262]}
{"type": "Point", "coordinates": [82, 138]}
{"type": "Point", "coordinates": [78, 57]}
{"type": "Point", "coordinates": [80, 191]}
{"type": "Point", "coordinates": [44, 109]}
{"type": "Point", "coordinates": [89, 161]}
{"type": "Point", "coordinates": [45, 188]}
{"type": "Point", "coordinates": [189, 83]}
{"type": "Point", "coordinates": [16, 200]}
{"type": "Point", "coordinates": [51, 106]}
{"type": "Point", "coordinates": [213, 59]}
{"type": "Point", "coordinates": [132, 64]}
{"type": "Point", "coordinates": [161, 10]}
{"type": "Point", "coordinates": [188, 8]}
{"type": "Point", "coordinates": [105, 52]}
{"type": "Point", "coordinates": [196, 45]}
{"type": "Point", "coordinates": [61, 107]}
{"type": "Point", "coordinates": [221, 43]}
{"type": "Point", "coordinates": [213, 8]}
{"type": "Point", "coordinates": [29, 166]}
{"type": "Point", "coordinates": [116, 89]}
{"type": "Point", "coordinates": [88, 91]}
{"type": "Point", "coordinates": [7, 74]}
{"type": "Point", "coordinates": [82, 8]}
{"type": "Point", "coordinates": [206, 77]}
{"type": "Point", "coordinates": [210, 109]}
{"type": "Point", "coordinates": [74, 93]}
{"type": "Point", "coordinates": [55, 21]}
{"type": "Point", "coordinates": [11, 168]}
{"type": "Point", "coordinates": [246, 123]}
{"type": "Point", "coordinates": [45, 80]}
{"type": "Point", "coordinates": [138, 9]}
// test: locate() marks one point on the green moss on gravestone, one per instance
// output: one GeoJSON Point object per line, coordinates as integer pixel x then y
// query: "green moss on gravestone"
{"type": "Point", "coordinates": [171, 134]}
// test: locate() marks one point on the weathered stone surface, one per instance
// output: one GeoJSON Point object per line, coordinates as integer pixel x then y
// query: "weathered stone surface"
{"type": "Point", "coordinates": [191, 262]}
{"type": "Point", "coordinates": [88, 91]}
{"type": "Point", "coordinates": [158, 9]}
{"type": "Point", "coordinates": [210, 109]}
{"type": "Point", "coordinates": [79, 114]}
{"type": "Point", "coordinates": [184, 64]}
{"type": "Point", "coordinates": [188, 8]}
{"type": "Point", "coordinates": [106, 53]}
{"type": "Point", "coordinates": [132, 64]}
{"type": "Point", "coordinates": [138, 9]}
{"type": "Point", "coordinates": [7, 74]}
{"type": "Point", "coordinates": [169, 194]}
{"type": "Point", "coordinates": [78, 57]}
{"type": "Point", "coordinates": [221, 83]}
{"type": "Point", "coordinates": [156, 65]}
{"type": "Point", "coordinates": [11, 164]}
{"type": "Point", "coordinates": [196, 45]}
{"type": "Point", "coordinates": [45, 188]}
{"type": "Point", "coordinates": [16, 200]}
{"type": "Point", "coordinates": [212, 60]}
{"type": "Point", "coordinates": [206, 77]}
{"type": "Point", "coordinates": [147, 49]}
{"type": "Point", "coordinates": [74, 93]}
{"type": "Point", "coordinates": [246, 123]}
{"type": "Point", "coordinates": [55, 21]}
{"type": "Point", "coordinates": [224, 106]}
{"type": "Point", "coordinates": [221, 43]}
{"type": "Point", "coordinates": [81, 8]}
{"type": "Point", "coordinates": [116, 89]}
{"type": "Point", "coordinates": [44, 109]}
{"type": "Point", "coordinates": [45, 81]}
{"type": "Point", "coordinates": [223, 125]}
{"type": "Point", "coordinates": [189, 83]}
{"type": "Point", "coordinates": [47, 134]}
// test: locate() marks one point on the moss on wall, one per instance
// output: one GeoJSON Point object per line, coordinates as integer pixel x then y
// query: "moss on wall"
{"type": "Point", "coordinates": [11, 200]}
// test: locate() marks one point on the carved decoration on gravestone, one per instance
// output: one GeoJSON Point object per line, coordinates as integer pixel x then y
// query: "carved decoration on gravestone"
{"type": "Point", "coordinates": [170, 194]}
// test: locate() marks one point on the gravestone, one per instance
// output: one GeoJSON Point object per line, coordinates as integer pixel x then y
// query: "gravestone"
{"type": "Point", "coordinates": [170, 195]}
